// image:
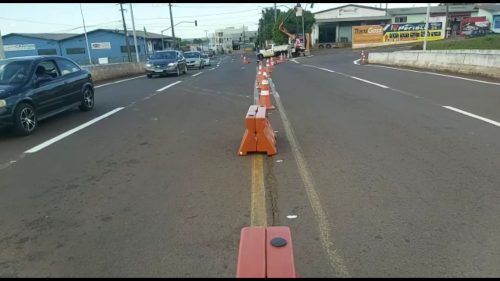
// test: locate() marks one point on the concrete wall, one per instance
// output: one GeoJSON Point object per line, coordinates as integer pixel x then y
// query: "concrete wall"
{"type": "Point", "coordinates": [114, 70]}
{"type": "Point", "coordinates": [474, 62]}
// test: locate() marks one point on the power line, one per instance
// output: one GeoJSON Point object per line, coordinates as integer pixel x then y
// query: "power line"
{"type": "Point", "coordinates": [36, 21]}
{"type": "Point", "coordinates": [211, 15]}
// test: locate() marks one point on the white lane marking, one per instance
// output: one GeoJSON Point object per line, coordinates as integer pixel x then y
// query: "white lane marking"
{"type": "Point", "coordinates": [473, 115]}
{"type": "Point", "coordinates": [211, 68]}
{"type": "Point", "coordinates": [369, 82]}
{"type": "Point", "coordinates": [335, 260]}
{"type": "Point", "coordinates": [116, 82]}
{"type": "Point", "coordinates": [295, 61]}
{"type": "Point", "coordinates": [354, 77]}
{"type": "Point", "coordinates": [438, 74]}
{"type": "Point", "coordinates": [72, 131]}
{"type": "Point", "coordinates": [356, 62]}
{"type": "Point", "coordinates": [196, 74]}
{"type": "Point", "coordinates": [168, 86]}
{"type": "Point", "coordinates": [326, 69]}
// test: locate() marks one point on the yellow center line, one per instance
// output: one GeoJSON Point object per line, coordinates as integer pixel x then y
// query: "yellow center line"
{"type": "Point", "coordinates": [258, 215]}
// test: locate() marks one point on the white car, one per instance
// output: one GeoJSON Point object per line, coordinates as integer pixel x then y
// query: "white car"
{"type": "Point", "coordinates": [206, 59]}
{"type": "Point", "coordinates": [194, 60]}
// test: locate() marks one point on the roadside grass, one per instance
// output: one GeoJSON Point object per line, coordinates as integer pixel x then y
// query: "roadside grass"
{"type": "Point", "coordinates": [489, 42]}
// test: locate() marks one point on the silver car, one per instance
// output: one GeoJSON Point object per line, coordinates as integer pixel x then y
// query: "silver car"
{"type": "Point", "coordinates": [206, 59]}
{"type": "Point", "coordinates": [194, 60]}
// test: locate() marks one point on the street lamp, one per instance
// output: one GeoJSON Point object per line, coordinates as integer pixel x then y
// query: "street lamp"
{"type": "Point", "coordinates": [163, 38]}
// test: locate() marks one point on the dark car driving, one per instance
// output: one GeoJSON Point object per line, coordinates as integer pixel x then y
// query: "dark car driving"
{"type": "Point", "coordinates": [166, 62]}
{"type": "Point", "coordinates": [37, 87]}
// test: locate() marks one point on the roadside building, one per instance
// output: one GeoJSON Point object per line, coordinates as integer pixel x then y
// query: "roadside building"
{"type": "Point", "coordinates": [333, 27]}
{"type": "Point", "coordinates": [492, 14]}
{"type": "Point", "coordinates": [232, 38]}
{"type": "Point", "coordinates": [456, 14]}
{"type": "Point", "coordinates": [106, 45]}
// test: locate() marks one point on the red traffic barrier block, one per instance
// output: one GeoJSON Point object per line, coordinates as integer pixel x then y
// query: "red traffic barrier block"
{"type": "Point", "coordinates": [259, 135]}
{"type": "Point", "coordinates": [266, 252]}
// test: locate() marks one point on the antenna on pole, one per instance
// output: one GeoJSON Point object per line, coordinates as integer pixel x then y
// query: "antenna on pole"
{"type": "Point", "coordinates": [86, 38]}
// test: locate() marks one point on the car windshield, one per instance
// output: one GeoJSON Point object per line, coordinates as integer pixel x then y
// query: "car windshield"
{"type": "Point", "coordinates": [13, 72]}
{"type": "Point", "coordinates": [192, 55]}
{"type": "Point", "coordinates": [163, 55]}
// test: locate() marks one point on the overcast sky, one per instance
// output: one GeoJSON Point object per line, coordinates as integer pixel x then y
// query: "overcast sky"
{"type": "Point", "coordinates": [37, 17]}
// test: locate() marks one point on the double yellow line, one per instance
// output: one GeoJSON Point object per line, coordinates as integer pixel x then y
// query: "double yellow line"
{"type": "Point", "coordinates": [258, 215]}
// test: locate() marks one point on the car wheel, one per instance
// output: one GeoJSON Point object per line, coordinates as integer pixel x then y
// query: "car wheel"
{"type": "Point", "coordinates": [149, 76]}
{"type": "Point", "coordinates": [178, 73]}
{"type": "Point", "coordinates": [88, 100]}
{"type": "Point", "coordinates": [185, 69]}
{"type": "Point", "coordinates": [25, 120]}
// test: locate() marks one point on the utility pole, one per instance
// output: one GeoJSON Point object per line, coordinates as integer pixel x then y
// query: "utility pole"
{"type": "Point", "coordinates": [145, 42]}
{"type": "Point", "coordinates": [275, 12]}
{"type": "Point", "coordinates": [386, 4]}
{"type": "Point", "coordinates": [2, 53]}
{"type": "Point", "coordinates": [135, 37]}
{"type": "Point", "coordinates": [86, 38]}
{"type": "Point", "coordinates": [446, 22]}
{"type": "Point", "coordinates": [171, 22]}
{"type": "Point", "coordinates": [427, 25]}
{"type": "Point", "coordinates": [206, 35]}
{"type": "Point", "coordinates": [126, 35]}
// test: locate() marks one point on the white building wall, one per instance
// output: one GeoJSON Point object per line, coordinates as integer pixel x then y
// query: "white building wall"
{"type": "Point", "coordinates": [350, 12]}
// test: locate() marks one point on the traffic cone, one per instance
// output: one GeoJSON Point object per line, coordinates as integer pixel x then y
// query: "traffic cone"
{"type": "Point", "coordinates": [265, 94]}
{"type": "Point", "coordinates": [364, 59]}
{"type": "Point", "coordinates": [269, 67]}
{"type": "Point", "coordinates": [260, 78]}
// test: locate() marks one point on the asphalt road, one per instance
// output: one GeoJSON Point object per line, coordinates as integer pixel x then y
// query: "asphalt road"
{"type": "Point", "coordinates": [374, 176]}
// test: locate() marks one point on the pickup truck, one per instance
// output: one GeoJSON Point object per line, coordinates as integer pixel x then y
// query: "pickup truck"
{"type": "Point", "coordinates": [273, 51]}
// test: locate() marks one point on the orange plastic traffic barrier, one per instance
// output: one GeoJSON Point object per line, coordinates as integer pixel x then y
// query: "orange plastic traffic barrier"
{"type": "Point", "coordinates": [259, 135]}
{"type": "Point", "coordinates": [266, 252]}
{"type": "Point", "coordinates": [265, 95]}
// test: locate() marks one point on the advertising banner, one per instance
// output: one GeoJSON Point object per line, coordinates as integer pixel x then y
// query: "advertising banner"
{"type": "Point", "coordinates": [101, 45]}
{"type": "Point", "coordinates": [19, 47]}
{"type": "Point", "coordinates": [367, 34]}
{"type": "Point", "coordinates": [398, 32]}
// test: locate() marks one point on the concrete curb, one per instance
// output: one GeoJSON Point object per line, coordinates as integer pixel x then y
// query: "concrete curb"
{"type": "Point", "coordinates": [473, 62]}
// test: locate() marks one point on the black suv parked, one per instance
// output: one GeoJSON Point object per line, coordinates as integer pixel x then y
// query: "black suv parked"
{"type": "Point", "coordinates": [37, 87]}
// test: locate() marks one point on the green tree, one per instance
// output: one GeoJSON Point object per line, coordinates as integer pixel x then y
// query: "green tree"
{"type": "Point", "coordinates": [197, 41]}
{"type": "Point", "coordinates": [266, 24]}
{"type": "Point", "coordinates": [293, 24]}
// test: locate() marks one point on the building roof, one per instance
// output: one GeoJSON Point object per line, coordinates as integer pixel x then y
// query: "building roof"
{"type": "Point", "coordinates": [45, 36]}
{"type": "Point", "coordinates": [434, 9]}
{"type": "Point", "coordinates": [65, 36]}
{"type": "Point", "coordinates": [138, 33]}
{"type": "Point", "coordinates": [349, 5]}
{"type": "Point", "coordinates": [489, 7]}
{"type": "Point", "coordinates": [358, 19]}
